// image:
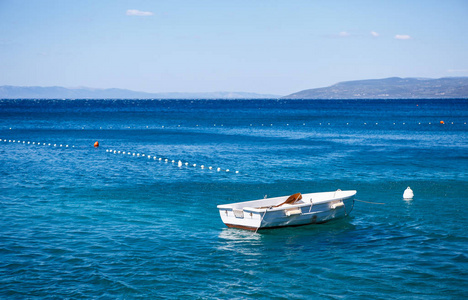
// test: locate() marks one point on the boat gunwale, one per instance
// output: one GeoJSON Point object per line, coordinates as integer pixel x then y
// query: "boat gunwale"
{"type": "Point", "coordinates": [230, 206]}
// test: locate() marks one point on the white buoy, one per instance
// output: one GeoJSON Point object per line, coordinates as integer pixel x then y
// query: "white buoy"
{"type": "Point", "coordinates": [194, 165]}
{"type": "Point", "coordinates": [186, 163]}
{"type": "Point", "coordinates": [179, 164]}
{"type": "Point", "coordinates": [211, 168]}
{"type": "Point", "coordinates": [408, 194]}
{"type": "Point", "coordinates": [202, 166]}
{"type": "Point", "coordinates": [218, 169]}
{"type": "Point", "coordinates": [237, 172]}
{"type": "Point", "coordinates": [160, 158]}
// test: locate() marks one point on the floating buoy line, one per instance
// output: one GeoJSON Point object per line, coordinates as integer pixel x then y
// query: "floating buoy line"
{"type": "Point", "coordinates": [179, 162]}
{"type": "Point", "coordinates": [37, 143]}
{"type": "Point", "coordinates": [288, 125]}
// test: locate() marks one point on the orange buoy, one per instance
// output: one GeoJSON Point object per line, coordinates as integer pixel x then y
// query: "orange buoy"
{"type": "Point", "coordinates": [442, 122]}
{"type": "Point", "coordinates": [96, 144]}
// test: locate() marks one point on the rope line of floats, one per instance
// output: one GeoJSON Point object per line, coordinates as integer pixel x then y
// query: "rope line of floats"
{"type": "Point", "coordinates": [180, 164]}
{"type": "Point", "coordinates": [37, 143]}
{"type": "Point", "coordinates": [287, 124]}
{"type": "Point", "coordinates": [279, 124]}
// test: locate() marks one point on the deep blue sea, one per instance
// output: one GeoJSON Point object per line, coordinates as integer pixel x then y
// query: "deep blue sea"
{"type": "Point", "coordinates": [82, 222]}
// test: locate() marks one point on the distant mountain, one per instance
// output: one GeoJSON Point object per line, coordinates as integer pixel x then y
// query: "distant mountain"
{"type": "Point", "coordinates": [390, 88]}
{"type": "Point", "coordinates": [55, 92]}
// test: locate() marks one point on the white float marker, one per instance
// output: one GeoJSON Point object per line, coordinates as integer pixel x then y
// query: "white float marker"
{"type": "Point", "coordinates": [179, 164]}
{"type": "Point", "coordinates": [186, 163]}
{"type": "Point", "coordinates": [227, 170]}
{"type": "Point", "coordinates": [218, 169]}
{"type": "Point", "coordinates": [211, 168]}
{"type": "Point", "coordinates": [194, 165]}
{"type": "Point", "coordinates": [160, 158]}
{"type": "Point", "coordinates": [408, 194]}
{"type": "Point", "coordinates": [202, 166]}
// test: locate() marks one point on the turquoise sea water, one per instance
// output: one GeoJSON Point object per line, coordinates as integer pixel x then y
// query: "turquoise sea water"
{"type": "Point", "coordinates": [80, 222]}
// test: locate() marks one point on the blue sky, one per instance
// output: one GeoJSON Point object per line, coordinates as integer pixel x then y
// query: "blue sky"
{"type": "Point", "coordinates": [276, 47]}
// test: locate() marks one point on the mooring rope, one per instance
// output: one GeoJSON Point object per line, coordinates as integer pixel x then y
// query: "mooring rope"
{"type": "Point", "coordinates": [369, 202]}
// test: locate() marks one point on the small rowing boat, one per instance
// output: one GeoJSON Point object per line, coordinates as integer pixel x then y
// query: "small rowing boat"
{"type": "Point", "coordinates": [295, 210]}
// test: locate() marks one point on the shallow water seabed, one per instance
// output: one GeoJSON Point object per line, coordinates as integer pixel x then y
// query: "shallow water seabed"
{"type": "Point", "coordinates": [84, 223]}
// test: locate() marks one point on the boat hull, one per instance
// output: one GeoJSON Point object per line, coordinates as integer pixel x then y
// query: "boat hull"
{"type": "Point", "coordinates": [314, 209]}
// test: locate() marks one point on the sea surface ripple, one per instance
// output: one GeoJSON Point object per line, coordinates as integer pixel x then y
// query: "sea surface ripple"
{"type": "Point", "coordinates": [83, 222]}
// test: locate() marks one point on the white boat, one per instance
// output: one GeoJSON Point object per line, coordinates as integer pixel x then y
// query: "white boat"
{"type": "Point", "coordinates": [294, 210]}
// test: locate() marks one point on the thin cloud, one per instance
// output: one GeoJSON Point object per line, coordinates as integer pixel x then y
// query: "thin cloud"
{"type": "Point", "coordinates": [374, 34]}
{"type": "Point", "coordinates": [139, 13]}
{"type": "Point", "coordinates": [403, 37]}
{"type": "Point", "coordinates": [344, 34]}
